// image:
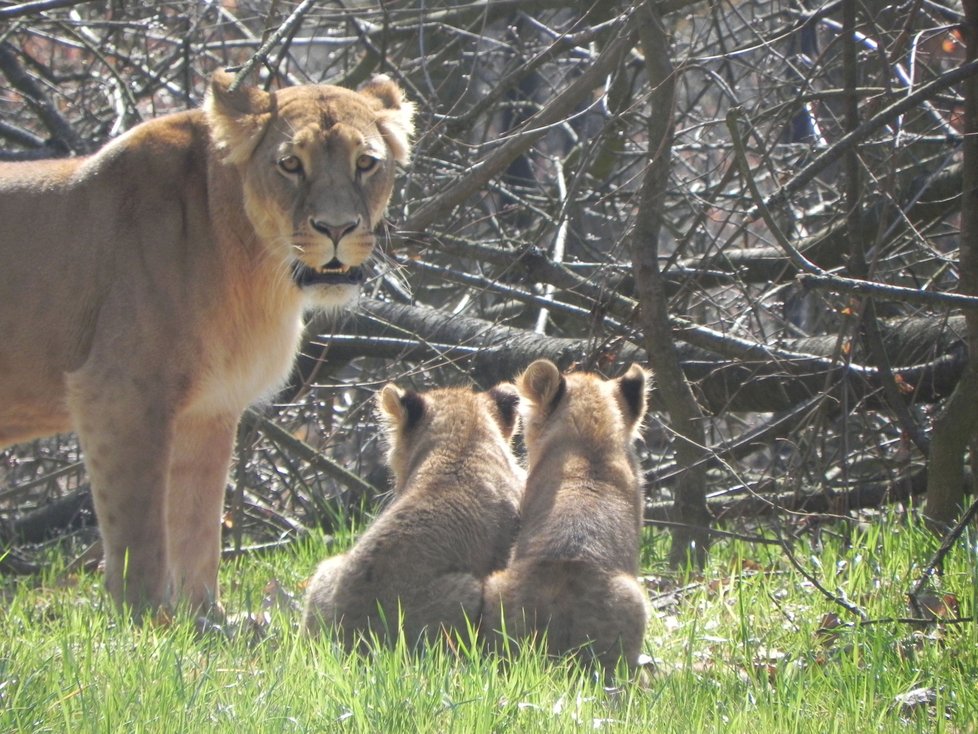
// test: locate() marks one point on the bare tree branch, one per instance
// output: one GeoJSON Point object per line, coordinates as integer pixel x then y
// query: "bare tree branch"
{"type": "Point", "coordinates": [840, 284]}
{"type": "Point", "coordinates": [520, 140]}
{"type": "Point", "coordinates": [865, 129]}
{"type": "Point", "coordinates": [38, 6]}
{"type": "Point", "coordinates": [287, 29]}
{"type": "Point", "coordinates": [60, 128]}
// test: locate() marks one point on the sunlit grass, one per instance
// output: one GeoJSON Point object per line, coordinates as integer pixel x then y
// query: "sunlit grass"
{"type": "Point", "coordinates": [738, 648]}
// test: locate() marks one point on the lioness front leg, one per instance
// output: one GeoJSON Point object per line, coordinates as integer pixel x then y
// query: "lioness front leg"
{"type": "Point", "coordinates": [198, 476]}
{"type": "Point", "coordinates": [127, 449]}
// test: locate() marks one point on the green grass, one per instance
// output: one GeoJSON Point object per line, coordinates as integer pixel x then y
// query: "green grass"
{"type": "Point", "coordinates": [735, 649]}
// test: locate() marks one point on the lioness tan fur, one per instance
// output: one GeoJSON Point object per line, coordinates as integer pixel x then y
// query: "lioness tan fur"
{"type": "Point", "coordinates": [452, 521]}
{"type": "Point", "coordinates": [155, 289]}
{"type": "Point", "coordinates": [575, 561]}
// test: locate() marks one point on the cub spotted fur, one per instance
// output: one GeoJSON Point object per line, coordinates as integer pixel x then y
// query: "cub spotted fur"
{"type": "Point", "coordinates": [155, 289]}
{"type": "Point", "coordinates": [452, 521]}
{"type": "Point", "coordinates": [574, 564]}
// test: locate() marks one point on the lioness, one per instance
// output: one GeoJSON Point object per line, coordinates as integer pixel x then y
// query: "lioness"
{"type": "Point", "coordinates": [452, 522]}
{"type": "Point", "coordinates": [155, 289]}
{"type": "Point", "coordinates": [575, 561]}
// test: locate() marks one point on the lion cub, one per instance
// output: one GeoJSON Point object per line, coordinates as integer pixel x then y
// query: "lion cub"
{"type": "Point", "coordinates": [575, 561]}
{"type": "Point", "coordinates": [452, 522]}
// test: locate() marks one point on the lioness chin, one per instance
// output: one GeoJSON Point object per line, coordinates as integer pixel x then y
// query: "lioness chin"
{"type": "Point", "coordinates": [573, 571]}
{"type": "Point", "coordinates": [155, 289]}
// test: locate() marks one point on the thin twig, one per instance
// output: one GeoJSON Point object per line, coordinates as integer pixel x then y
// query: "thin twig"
{"type": "Point", "coordinates": [52, 118]}
{"type": "Point", "coordinates": [734, 116]}
{"type": "Point", "coordinates": [834, 598]}
{"type": "Point", "coordinates": [915, 621]}
{"type": "Point", "coordinates": [518, 294]}
{"type": "Point", "coordinates": [261, 55]}
{"type": "Point", "coordinates": [938, 558]}
{"type": "Point", "coordinates": [758, 539]}
{"type": "Point", "coordinates": [867, 127]}
{"type": "Point", "coordinates": [259, 548]}
{"type": "Point", "coordinates": [308, 453]}
{"type": "Point", "coordinates": [812, 275]}
{"type": "Point", "coordinates": [20, 136]}
{"type": "Point", "coordinates": [532, 130]}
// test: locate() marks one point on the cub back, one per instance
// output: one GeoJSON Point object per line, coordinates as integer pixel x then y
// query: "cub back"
{"type": "Point", "coordinates": [583, 498]}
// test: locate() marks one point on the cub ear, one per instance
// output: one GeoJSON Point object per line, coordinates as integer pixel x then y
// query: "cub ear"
{"type": "Point", "coordinates": [633, 386]}
{"type": "Point", "coordinates": [237, 119]}
{"type": "Point", "coordinates": [403, 408]}
{"type": "Point", "coordinates": [396, 116]}
{"type": "Point", "coordinates": [507, 400]}
{"type": "Point", "coordinates": [541, 383]}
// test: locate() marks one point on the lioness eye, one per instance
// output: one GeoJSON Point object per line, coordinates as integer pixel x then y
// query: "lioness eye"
{"type": "Point", "coordinates": [290, 164]}
{"type": "Point", "coordinates": [366, 163]}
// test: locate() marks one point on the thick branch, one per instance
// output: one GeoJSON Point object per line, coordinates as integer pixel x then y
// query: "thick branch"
{"type": "Point", "coordinates": [927, 357]}
{"type": "Point", "coordinates": [760, 501]}
{"type": "Point", "coordinates": [38, 6]}
{"type": "Point", "coordinates": [882, 291]}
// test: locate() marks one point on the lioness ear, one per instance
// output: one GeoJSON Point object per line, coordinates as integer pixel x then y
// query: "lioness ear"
{"type": "Point", "coordinates": [237, 119]}
{"type": "Point", "coordinates": [403, 408]}
{"type": "Point", "coordinates": [506, 399]}
{"type": "Point", "coordinates": [633, 386]}
{"type": "Point", "coordinates": [396, 116]}
{"type": "Point", "coordinates": [541, 383]}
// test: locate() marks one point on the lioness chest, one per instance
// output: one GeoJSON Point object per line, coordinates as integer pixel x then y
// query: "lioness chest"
{"type": "Point", "coordinates": [248, 358]}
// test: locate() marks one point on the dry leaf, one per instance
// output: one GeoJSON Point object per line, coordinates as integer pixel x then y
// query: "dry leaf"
{"type": "Point", "coordinates": [276, 595]}
{"type": "Point", "coordinates": [938, 606]}
{"type": "Point", "coordinates": [902, 385]}
{"type": "Point", "coordinates": [827, 632]}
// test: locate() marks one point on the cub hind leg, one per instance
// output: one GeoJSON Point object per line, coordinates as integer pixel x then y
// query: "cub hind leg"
{"type": "Point", "coordinates": [597, 614]}
{"type": "Point", "coordinates": [615, 623]}
{"type": "Point", "coordinates": [321, 607]}
{"type": "Point", "coordinates": [448, 601]}
{"type": "Point", "coordinates": [448, 604]}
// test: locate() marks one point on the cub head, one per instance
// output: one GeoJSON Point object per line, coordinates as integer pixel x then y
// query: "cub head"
{"type": "Point", "coordinates": [452, 418]}
{"type": "Point", "coordinates": [581, 407]}
{"type": "Point", "coordinates": [317, 164]}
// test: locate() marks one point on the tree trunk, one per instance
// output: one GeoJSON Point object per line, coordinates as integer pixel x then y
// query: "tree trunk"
{"type": "Point", "coordinates": [957, 422]}
{"type": "Point", "coordinates": [689, 541]}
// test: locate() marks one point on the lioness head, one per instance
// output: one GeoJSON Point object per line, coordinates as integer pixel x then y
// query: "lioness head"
{"type": "Point", "coordinates": [317, 164]}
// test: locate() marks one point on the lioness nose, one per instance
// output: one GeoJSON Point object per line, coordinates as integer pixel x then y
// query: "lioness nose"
{"type": "Point", "coordinates": [335, 232]}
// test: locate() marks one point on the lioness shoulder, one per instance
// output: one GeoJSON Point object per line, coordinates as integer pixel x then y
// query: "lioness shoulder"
{"type": "Point", "coordinates": [155, 289]}
{"type": "Point", "coordinates": [574, 566]}
{"type": "Point", "coordinates": [452, 521]}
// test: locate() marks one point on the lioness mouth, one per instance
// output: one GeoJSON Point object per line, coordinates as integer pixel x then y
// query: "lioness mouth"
{"type": "Point", "coordinates": [332, 273]}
